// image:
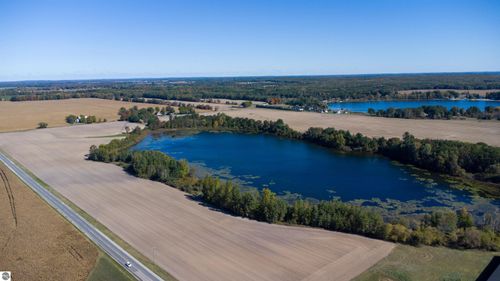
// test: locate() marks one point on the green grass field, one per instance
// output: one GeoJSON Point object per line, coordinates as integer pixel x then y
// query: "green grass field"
{"type": "Point", "coordinates": [107, 269]}
{"type": "Point", "coordinates": [407, 263]}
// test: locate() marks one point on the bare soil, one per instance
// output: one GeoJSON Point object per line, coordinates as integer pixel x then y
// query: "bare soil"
{"type": "Point", "coordinates": [36, 243]}
{"type": "Point", "coordinates": [187, 239]}
{"type": "Point", "coordinates": [470, 130]}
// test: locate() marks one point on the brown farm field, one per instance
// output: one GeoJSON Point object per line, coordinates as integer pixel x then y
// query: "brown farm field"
{"type": "Point", "coordinates": [17, 116]}
{"type": "Point", "coordinates": [36, 243]}
{"type": "Point", "coordinates": [187, 239]}
{"type": "Point", "coordinates": [469, 130]}
{"type": "Point", "coordinates": [25, 115]}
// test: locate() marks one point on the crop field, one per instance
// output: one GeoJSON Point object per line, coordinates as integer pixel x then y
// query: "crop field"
{"type": "Point", "coordinates": [36, 243]}
{"type": "Point", "coordinates": [25, 115]}
{"type": "Point", "coordinates": [17, 116]}
{"type": "Point", "coordinates": [187, 239]}
{"type": "Point", "coordinates": [464, 130]}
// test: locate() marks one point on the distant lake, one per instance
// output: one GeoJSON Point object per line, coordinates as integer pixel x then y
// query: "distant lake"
{"type": "Point", "coordinates": [311, 171]}
{"type": "Point", "coordinates": [377, 105]}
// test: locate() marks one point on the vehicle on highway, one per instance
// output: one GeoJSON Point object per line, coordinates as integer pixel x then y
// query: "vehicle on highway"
{"type": "Point", "coordinates": [128, 264]}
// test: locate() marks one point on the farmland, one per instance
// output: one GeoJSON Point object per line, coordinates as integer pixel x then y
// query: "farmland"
{"type": "Point", "coordinates": [187, 239]}
{"type": "Point", "coordinates": [464, 130]}
{"type": "Point", "coordinates": [33, 235]}
{"type": "Point", "coordinates": [18, 116]}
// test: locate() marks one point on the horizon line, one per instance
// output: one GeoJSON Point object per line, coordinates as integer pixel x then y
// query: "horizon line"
{"type": "Point", "coordinates": [252, 76]}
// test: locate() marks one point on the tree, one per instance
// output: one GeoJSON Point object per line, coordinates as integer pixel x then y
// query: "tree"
{"type": "Point", "coordinates": [246, 104]}
{"type": "Point", "coordinates": [473, 111]}
{"type": "Point", "coordinates": [444, 221]}
{"type": "Point", "coordinates": [464, 219]}
{"type": "Point", "coordinates": [398, 233]}
{"type": "Point", "coordinates": [270, 209]}
{"type": "Point", "coordinates": [470, 238]}
{"type": "Point", "coordinates": [248, 205]}
{"type": "Point", "coordinates": [71, 119]}
{"type": "Point", "coordinates": [42, 125]}
{"type": "Point", "coordinates": [186, 110]}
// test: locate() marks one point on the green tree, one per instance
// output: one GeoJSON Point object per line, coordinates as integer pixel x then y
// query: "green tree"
{"type": "Point", "coordinates": [464, 218]}
{"type": "Point", "coordinates": [270, 209]}
{"type": "Point", "coordinates": [71, 119]}
{"type": "Point", "coordinates": [42, 125]}
{"type": "Point", "coordinates": [246, 104]}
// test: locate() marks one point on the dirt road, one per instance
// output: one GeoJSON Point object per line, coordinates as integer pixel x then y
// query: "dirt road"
{"type": "Point", "coordinates": [187, 239]}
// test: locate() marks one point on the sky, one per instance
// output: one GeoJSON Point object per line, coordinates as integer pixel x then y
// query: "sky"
{"type": "Point", "coordinates": [73, 39]}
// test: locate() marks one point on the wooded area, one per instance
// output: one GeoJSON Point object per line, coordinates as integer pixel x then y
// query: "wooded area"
{"type": "Point", "coordinates": [438, 112]}
{"type": "Point", "coordinates": [291, 89]}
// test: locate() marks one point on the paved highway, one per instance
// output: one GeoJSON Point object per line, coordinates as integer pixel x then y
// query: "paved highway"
{"type": "Point", "coordinates": [137, 269]}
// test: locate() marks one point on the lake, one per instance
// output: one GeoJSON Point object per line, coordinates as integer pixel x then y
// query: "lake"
{"type": "Point", "coordinates": [291, 167]}
{"type": "Point", "coordinates": [377, 105]}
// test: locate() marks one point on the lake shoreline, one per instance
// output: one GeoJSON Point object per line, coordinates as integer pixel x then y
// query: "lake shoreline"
{"type": "Point", "coordinates": [362, 106]}
{"type": "Point", "coordinates": [265, 206]}
{"type": "Point", "coordinates": [471, 187]}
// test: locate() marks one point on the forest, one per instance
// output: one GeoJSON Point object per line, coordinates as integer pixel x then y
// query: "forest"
{"type": "Point", "coordinates": [438, 112]}
{"type": "Point", "coordinates": [295, 90]}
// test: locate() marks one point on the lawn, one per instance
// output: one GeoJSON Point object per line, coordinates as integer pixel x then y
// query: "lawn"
{"type": "Point", "coordinates": [407, 263]}
{"type": "Point", "coordinates": [107, 269]}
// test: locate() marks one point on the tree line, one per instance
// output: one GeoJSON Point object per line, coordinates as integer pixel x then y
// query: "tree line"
{"type": "Point", "coordinates": [437, 112]}
{"type": "Point", "coordinates": [148, 116]}
{"type": "Point", "coordinates": [83, 119]}
{"type": "Point", "coordinates": [453, 229]}
{"type": "Point", "coordinates": [286, 89]}
{"type": "Point", "coordinates": [448, 228]}
{"type": "Point", "coordinates": [477, 161]}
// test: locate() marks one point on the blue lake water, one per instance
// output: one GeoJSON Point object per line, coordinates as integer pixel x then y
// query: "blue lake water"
{"type": "Point", "coordinates": [298, 167]}
{"type": "Point", "coordinates": [377, 105]}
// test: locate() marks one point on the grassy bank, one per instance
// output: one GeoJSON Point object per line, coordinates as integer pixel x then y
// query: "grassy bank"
{"type": "Point", "coordinates": [408, 263]}
{"type": "Point", "coordinates": [107, 269]}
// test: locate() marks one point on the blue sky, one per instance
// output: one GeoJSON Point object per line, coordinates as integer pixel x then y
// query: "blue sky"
{"type": "Point", "coordinates": [121, 39]}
